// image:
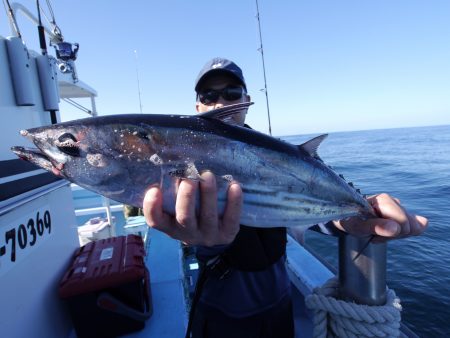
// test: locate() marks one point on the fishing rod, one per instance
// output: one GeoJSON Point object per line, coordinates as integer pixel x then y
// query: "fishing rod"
{"type": "Point", "coordinates": [12, 18]}
{"type": "Point", "coordinates": [56, 29]}
{"type": "Point", "coordinates": [47, 79]}
{"type": "Point", "coordinates": [41, 31]}
{"type": "Point", "coordinates": [261, 50]}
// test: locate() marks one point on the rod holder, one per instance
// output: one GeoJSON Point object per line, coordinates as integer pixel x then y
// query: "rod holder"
{"type": "Point", "coordinates": [362, 280]}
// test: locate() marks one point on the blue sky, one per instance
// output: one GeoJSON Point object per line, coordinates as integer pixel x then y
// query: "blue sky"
{"type": "Point", "coordinates": [330, 65]}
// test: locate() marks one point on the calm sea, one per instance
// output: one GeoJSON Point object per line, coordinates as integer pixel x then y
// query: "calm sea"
{"type": "Point", "coordinates": [412, 164]}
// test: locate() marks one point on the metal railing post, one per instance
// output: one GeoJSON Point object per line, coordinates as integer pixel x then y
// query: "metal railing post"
{"type": "Point", "coordinates": [362, 280]}
{"type": "Point", "coordinates": [107, 204]}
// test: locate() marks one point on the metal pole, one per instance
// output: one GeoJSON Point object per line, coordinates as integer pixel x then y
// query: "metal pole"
{"type": "Point", "coordinates": [16, 7]}
{"type": "Point", "coordinates": [362, 279]}
{"type": "Point", "coordinates": [93, 106]}
{"type": "Point", "coordinates": [107, 205]}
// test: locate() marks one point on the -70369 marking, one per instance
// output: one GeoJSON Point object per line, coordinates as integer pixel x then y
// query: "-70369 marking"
{"type": "Point", "coordinates": [26, 234]}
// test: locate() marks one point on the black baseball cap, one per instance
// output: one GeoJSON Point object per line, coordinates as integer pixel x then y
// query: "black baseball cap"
{"type": "Point", "coordinates": [220, 65]}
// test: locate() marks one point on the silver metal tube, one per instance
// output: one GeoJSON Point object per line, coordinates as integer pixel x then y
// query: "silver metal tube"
{"type": "Point", "coordinates": [107, 205]}
{"type": "Point", "coordinates": [94, 107]}
{"type": "Point", "coordinates": [362, 279]}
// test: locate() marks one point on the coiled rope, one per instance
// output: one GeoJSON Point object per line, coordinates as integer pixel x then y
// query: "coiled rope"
{"type": "Point", "coordinates": [337, 318]}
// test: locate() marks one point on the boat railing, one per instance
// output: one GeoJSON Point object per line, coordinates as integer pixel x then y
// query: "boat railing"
{"type": "Point", "coordinates": [19, 8]}
{"type": "Point", "coordinates": [105, 208]}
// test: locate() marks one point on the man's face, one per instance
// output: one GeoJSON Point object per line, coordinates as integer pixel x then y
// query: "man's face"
{"type": "Point", "coordinates": [220, 82]}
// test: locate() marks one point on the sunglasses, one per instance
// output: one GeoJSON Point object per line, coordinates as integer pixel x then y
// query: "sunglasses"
{"type": "Point", "coordinates": [230, 93]}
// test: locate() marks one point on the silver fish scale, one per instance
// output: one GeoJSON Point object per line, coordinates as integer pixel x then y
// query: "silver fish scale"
{"type": "Point", "coordinates": [278, 188]}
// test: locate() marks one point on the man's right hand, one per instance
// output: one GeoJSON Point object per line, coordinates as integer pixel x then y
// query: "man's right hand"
{"type": "Point", "coordinates": [207, 229]}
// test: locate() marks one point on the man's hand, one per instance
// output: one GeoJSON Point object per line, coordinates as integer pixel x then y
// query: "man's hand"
{"type": "Point", "coordinates": [206, 229]}
{"type": "Point", "coordinates": [394, 221]}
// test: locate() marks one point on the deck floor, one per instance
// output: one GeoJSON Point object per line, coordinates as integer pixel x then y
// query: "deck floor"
{"type": "Point", "coordinates": [169, 311]}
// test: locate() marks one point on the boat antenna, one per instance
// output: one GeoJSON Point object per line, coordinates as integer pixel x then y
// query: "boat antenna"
{"type": "Point", "coordinates": [12, 18]}
{"type": "Point", "coordinates": [261, 50]}
{"type": "Point", "coordinates": [137, 77]}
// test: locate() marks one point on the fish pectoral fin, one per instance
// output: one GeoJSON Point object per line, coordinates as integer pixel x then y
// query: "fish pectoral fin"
{"type": "Point", "coordinates": [185, 171]}
{"type": "Point", "coordinates": [224, 113]}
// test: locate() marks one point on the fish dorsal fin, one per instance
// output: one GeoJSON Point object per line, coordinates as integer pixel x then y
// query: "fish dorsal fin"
{"type": "Point", "coordinates": [312, 145]}
{"type": "Point", "coordinates": [225, 113]}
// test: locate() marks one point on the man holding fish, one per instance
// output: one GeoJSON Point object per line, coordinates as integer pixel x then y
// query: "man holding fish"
{"type": "Point", "coordinates": [228, 190]}
{"type": "Point", "coordinates": [245, 289]}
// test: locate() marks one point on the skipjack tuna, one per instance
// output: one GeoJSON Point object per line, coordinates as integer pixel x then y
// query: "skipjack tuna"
{"type": "Point", "coordinates": [120, 156]}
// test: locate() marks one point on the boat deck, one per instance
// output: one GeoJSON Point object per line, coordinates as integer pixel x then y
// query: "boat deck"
{"type": "Point", "coordinates": [169, 286]}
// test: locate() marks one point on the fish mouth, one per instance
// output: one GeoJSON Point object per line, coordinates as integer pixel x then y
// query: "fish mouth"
{"type": "Point", "coordinates": [28, 153]}
{"type": "Point", "coordinates": [35, 156]}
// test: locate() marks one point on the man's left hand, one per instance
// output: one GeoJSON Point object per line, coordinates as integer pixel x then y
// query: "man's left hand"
{"type": "Point", "coordinates": [393, 221]}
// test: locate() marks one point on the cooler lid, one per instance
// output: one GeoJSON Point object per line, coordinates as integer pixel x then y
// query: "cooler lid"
{"type": "Point", "coordinates": [105, 263]}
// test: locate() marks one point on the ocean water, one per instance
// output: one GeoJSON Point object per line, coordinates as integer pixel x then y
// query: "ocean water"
{"type": "Point", "coordinates": [412, 164]}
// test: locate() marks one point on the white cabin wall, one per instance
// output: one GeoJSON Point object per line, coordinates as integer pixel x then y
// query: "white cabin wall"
{"type": "Point", "coordinates": [14, 118]}
{"type": "Point", "coordinates": [29, 302]}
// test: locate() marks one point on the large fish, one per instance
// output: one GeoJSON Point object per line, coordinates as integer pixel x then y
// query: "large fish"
{"type": "Point", "coordinates": [120, 156]}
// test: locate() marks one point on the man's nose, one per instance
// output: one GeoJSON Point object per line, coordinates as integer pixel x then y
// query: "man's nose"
{"type": "Point", "coordinates": [221, 102]}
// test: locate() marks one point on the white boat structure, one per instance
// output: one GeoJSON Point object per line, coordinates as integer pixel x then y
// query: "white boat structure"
{"type": "Point", "coordinates": [38, 225]}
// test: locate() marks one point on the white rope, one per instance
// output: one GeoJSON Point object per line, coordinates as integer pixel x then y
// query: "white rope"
{"type": "Point", "coordinates": [337, 318]}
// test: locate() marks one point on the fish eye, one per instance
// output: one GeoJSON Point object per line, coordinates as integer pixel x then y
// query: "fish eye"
{"type": "Point", "coordinates": [67, 137]}
{"type": "Point", "coordinates": [67, 143]}
{"type": "Point", "coordinates": [143, 135]}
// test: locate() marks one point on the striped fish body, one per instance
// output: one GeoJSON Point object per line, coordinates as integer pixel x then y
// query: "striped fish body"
{"type": "Point", "coordinates": [120, 156]}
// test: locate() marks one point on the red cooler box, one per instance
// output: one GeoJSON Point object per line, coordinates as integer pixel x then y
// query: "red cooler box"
{"type": "Point", "coordinates": [107, 287]}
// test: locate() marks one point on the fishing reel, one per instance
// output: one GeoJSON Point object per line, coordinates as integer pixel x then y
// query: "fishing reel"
{"type": "Point", "coordinates": [65, 51]}
{"type": "Point", "coordinates": [66, 54]}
